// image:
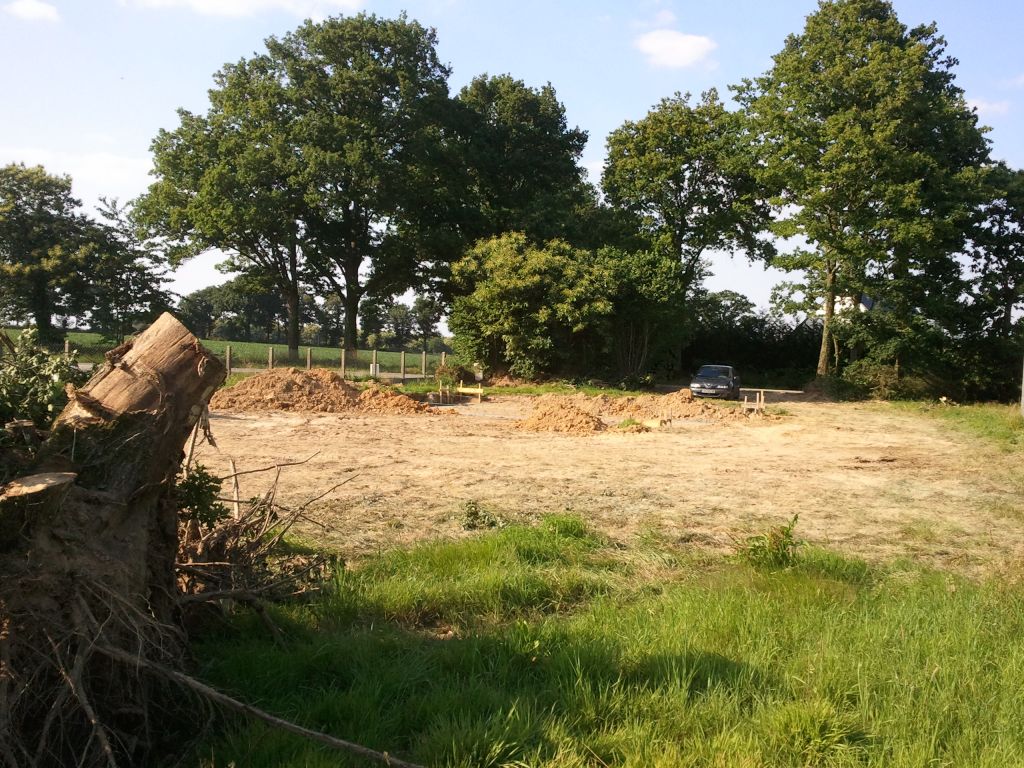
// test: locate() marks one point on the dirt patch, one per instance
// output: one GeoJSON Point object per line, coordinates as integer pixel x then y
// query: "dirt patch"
{"type": "Point", "coordinates": [860, 475]}
{"type": "Point", "coordinates": [314, 391]}
{"type": "Point", "coordinates": [560, 414]}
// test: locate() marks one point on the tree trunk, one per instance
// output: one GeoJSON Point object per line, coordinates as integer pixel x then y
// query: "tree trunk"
{"type": "Point", "coordinates": [826, 325]}
{"type": "Point", "coordinates": [294, 333]}
{"type": "Point", "coordinates": [42, 312]}
{"type": "Point", "coordinates": [96, 567]}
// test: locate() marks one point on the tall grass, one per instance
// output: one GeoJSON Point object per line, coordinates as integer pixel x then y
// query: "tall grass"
{"type": "Point", "coordinates": [547, 647]}
{"type": "Point", "coordinates": [997, 424]}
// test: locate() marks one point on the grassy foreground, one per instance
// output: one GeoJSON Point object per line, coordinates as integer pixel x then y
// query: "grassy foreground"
{"type": "Point", "coordinates": [546, 646]}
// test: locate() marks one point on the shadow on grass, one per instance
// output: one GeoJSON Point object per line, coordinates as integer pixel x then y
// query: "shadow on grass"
{"type": "Point", "coordinates": [523, 694]}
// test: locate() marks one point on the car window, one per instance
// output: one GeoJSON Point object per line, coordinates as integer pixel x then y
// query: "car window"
{"type": "Point", "coordinates": [714, 371]}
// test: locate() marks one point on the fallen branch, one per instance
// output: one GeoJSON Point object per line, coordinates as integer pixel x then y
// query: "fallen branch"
{"type": "Point", "coordinates": [267, 469]}
{"type": "Point", "coordinates": [224, 700]}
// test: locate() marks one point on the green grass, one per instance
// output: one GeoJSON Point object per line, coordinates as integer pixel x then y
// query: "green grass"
{"type": "Point", "coordinates": [546, 646]}
{"type": "Point", "coordinates": [545, 388]}
{"type": "Point", "coordinates": [999, 425]}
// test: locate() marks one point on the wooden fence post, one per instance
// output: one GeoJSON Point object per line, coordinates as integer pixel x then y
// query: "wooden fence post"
{"type": "Point", "coordinates": [309, 358]}
{"type": "Point", "coordinates": [374, 370]}
{"type": "Point", "coordinates": [227, 358]}
{"type": "Point", "coordinates": [423, 363]}
{"type": "Point", "coordinates": [270, 357]}
{"type": "Point", "coordinates": [67, 347]}
{"type": "Point", "coordinates": [342, 362]}
{"type": "Point", "coordinates": [443, 358]}
{"type": "Point", "coordinates": [401, 358]}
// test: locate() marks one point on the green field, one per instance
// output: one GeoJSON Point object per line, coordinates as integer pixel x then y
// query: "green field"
{"type": "Point", "coordinates": [90, 348]}
{"type": "Point", "coordinates": [547, 646]}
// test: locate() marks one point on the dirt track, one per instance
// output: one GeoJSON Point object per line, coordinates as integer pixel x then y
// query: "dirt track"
{"type": "Point", "coordinates": [865, 479]}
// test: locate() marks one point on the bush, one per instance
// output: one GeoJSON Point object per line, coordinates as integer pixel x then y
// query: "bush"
{"type": "Point", "coordinates": [196, 494]}
{"type": "Point", "coordinates": [885, 382]}
{"type": "Point", "coordinates": [32, 380]}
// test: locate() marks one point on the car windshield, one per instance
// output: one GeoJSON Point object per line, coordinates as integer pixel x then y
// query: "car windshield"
{"type": "Point", "coordinates": [714, 372]}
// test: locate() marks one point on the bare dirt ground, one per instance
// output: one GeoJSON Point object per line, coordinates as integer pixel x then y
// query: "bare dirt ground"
{"type": "Point", "coordinates": [867, 479]}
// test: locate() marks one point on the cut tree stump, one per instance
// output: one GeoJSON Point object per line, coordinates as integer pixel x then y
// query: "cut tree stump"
{"type": "Point", "coordinates": [94, 551]}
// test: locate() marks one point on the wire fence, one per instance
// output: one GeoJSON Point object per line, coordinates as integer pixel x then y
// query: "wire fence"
{"type": "Point", "coordinates": [249, 357]}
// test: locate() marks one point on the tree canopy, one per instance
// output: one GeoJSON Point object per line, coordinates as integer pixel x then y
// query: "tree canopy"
{"type": "Point", "coordinates": [872, 154]}
{"type": "Point", "coordinates": [41, 231]}
{"type": "Point", "coordinates": [307, 157]}
{"type": "Point", "coordinates": [685, 173]}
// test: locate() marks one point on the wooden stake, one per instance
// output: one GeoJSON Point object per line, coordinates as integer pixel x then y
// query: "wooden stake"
{"type": "Point", "coordinates": [270, 357]}
{"type": "Point", "coordinates": [309, 358]}
{"type": "Point", "coordinates": [67, 347]}
{"type": "Point", "coordinates": [235, 490]}
{"type": "Point", "coordinates": [444, 356]}
{"type": "Point", "coordinates": [343, 362]}
{"type": "Point", "coordinates": [227, 358]}
{"type": "Point", "coordinates": [401, 358]}
{"type": "Point", "coordinates": [423, 363]}
{"type": "Point", "coordinates": [374, 370]}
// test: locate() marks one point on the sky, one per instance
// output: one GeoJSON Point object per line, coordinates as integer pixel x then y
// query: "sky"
{"type": "Point", "coordinates": [86, 84]}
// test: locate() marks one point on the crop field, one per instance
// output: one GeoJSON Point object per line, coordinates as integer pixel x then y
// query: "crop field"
{"type": "Point", "coordinates": [516, 597]}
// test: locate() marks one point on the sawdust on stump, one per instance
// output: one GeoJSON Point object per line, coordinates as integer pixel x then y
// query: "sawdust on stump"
{"type": "Point", "coordinates": [561, 415]}
{"type": "Point", "coordinates": [314, 391]}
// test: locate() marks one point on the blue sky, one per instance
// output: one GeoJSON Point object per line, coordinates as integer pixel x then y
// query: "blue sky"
{"type": "Point", "coordinates": [86, 84]}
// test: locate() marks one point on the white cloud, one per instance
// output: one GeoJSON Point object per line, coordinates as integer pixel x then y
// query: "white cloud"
{"type": "Point", "coordinates": [986, 107]}
{"type": "Point", "coordinates": [32, 10]}
{"type": "Point", "coordinates": [316, 9]}
{"type": "Point", "coordinates": [669, 49]}
{"type": "Point", "coordinates": [94, 173]}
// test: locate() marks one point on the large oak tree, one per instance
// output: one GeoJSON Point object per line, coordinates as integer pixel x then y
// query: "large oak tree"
{"type": "Point", "coordinates": [308, 156]}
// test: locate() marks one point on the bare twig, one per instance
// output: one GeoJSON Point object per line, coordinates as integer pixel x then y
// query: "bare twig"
{"type": "Point", "coordinates": [247, 709]}
{"type": "Point", "coordinates": [267, 469]}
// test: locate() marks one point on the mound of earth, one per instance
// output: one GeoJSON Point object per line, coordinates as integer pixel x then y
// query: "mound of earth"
{"type": "Point", "coordinates": [561, 415]}
{"type": "Point", "coordinates": [288, 389]}
{"type": "Point", "coordinates": [383, 400]}
{"type": "Point", "coordinates": [315, 391]}
{"type": "Point", "coordinates": [676, 405]}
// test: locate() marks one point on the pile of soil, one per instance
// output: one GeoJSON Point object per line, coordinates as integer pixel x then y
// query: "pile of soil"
{"type": "Point", "coordinates": [676, 405]}
{"type": "Point", "coordinates": [383, 400]}
{"type": "Point", "coordinates": [315, 391]}
{"type": "Point", "coordinates": [561, 415]}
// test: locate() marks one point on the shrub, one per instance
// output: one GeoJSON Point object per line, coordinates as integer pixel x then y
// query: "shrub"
{"type": "Point", "coordinates": [32, 380]}
{"type": "Point", "coordinates": [196, 495]}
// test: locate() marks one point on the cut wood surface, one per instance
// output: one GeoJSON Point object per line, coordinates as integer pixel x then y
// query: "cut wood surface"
{"type": "Point", "coordinates": [35, 485]}
{"type": "Point", "coordinates": [28, 499]}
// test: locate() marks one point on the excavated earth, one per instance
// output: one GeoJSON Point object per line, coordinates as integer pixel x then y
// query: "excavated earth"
{"type": "Point", "coordinates": [867, 479]}
{"type": "Point", "coordinates": [314, 391]}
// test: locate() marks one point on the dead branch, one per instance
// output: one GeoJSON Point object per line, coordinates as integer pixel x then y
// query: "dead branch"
{"type": "Point", "coordinates": [247, 709]}
{"type": "Point", "coordinates": [267, 469]}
